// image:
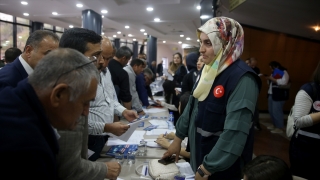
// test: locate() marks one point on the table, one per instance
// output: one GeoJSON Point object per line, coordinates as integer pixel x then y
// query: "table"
{"type": "Point", "coordinates": [128, 171]}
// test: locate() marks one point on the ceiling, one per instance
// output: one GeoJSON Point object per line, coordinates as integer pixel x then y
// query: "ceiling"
{"type": "Point", "coordinates": [295, 17]}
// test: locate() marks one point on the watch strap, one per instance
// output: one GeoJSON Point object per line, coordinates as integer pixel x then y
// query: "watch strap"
{"type": "Point", "coordinates": [201, 173]}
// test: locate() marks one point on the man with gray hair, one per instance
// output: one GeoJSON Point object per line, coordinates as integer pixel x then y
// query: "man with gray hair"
{"type": "Point", "coordinates": [49, 98]}
{"type": "Point", "coordinates": [38, 44]}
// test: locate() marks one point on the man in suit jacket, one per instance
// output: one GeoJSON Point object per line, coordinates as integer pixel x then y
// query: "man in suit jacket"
{"type": "Point", "coordinates": [72, 158]}
{"type": "Point", "coordinates": [31, 112]}
{"type": "Point", "coordinates": [160, 69]}
{"type": "Point", "coordinates": [38, 44]}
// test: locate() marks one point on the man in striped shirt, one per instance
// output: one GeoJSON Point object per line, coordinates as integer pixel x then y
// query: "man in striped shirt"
{"type": "Point", "coordinates": [105, 105]}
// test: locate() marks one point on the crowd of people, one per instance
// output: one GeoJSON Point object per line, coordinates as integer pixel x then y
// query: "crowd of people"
{"type": "Point", "coordinates": [60, 97]}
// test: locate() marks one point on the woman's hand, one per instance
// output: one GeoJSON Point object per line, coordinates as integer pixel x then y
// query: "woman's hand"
{"type": "Point", "coordinates": [174, 148]}
{"type": "Point", "coordinates": [170, 136]}
{"type": "Point", "coordinates": [163, 142]}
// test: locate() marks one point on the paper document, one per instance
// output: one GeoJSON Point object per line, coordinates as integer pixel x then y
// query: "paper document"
{"type": "Point", "coordinates": [185, 169]}
{"type": "Point", "coordinates": [159, 131]}
{"type": "Point", "coordinates": [155, 110]}
{"type": "Point", "coordinates": [134, 139]}
{"type": "Point", "coordinates": [133, 126]}
{"type": "Point", "coordinates": [178, 89]}
{"type": "Point", "coordinates": [162, 124]}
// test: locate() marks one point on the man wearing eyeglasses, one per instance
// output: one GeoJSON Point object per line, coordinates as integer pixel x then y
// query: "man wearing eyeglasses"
{"type": "Point", "coordinates": [105, 105]}
{"type": "Point", "coordinates": [72, 158]}
{"type": "Point", "coordinates": [49, 98]}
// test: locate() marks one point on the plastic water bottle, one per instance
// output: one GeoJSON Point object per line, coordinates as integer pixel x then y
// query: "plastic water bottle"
{"type": "Point", "coordinates": [171, 121]}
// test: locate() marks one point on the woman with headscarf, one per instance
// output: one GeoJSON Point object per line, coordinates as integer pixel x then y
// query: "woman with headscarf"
{"type": "Point", "coordinates": [218, 117]}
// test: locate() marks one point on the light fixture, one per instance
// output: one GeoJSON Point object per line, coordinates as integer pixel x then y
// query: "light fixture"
{"type": "Point", "coordinates": [119, 32]}
{"type": "Point", "coordinates": [149, 9]}
{"type": "Point", "coordinates": [127, 27]}
{"type": "Point", "coordinates": [114, 35]}
{"type": "Point", "coordinates": [164, 41]}
{"type": "Point", "coordinates": [129, 35]}
{"type": "Point", "coordinates": [104, 11]}
{"type": "Point", "coordinates": [79, 5]}
{"type": "Point", "coordinates": [179, 42]}
{"type": "Point", "coordinates": [55, 13]}
{"type": "Point", "coordinates": [187, 38]}
{"type": "Point", "coordinates": [204, 17]}
{"type": "Point", "coordinates": [102, 16]}
{"type": "Point", "coordinates": [317, 28]}
{"type": "Point", "coordinates": [181, 35]}
{"type": "Point", "coordinates": [26, 14]}
{"type": "Point", "coordinates": [7, 41]}
{"type": "Point", "coordinates": [70, 26]}
{"type": "Point", "coordinates": [20, 37]}
{"type": "Point", "coordinates": [102, 33]}
{"type": "Point", "coordinates": [198, 7]}
{"type": "Point", "coordinates": [198, 40]}
{"type": "Point", "coordinates": [134, 39]}
{"type": "Point", "coordinates": [145, 33]}
{"type": "Point", "coordinates": [156, 19]}
{"type": "Point", "coordinates": [24, 3]}
{"type": "Point", "coordinates": [142, 30]}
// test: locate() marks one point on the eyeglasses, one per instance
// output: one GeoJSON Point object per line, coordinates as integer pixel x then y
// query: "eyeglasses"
{"type": "Point", "coordinates": [77, 67]}
{"type": "Point", "coordinates": [93, 58]}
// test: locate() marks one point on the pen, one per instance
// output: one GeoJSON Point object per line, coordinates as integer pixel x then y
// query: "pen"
{"type": "Point", "coordinates": [145, 172]}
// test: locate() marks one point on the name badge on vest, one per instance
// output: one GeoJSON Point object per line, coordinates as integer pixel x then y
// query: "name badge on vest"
{"type": "Point", "coordinates": [218, 91]}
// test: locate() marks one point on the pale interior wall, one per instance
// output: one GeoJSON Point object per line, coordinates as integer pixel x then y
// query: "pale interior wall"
{"type": "Point", "coordinates": [167, 51]}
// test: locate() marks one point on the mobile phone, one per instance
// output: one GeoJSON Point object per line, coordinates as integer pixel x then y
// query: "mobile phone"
{"type": "Point", "coordinates": [166, 161]}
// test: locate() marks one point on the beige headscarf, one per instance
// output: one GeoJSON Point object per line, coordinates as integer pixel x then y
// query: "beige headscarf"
{"type": "Point", "coordinates": [226, 36]}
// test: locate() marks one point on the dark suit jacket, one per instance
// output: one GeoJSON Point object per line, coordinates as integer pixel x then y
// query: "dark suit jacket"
{"type": "Point", "coordinates": [12, 73]}
{"type": "Point", "coordinates": [160, 69]}
{"type": "Point", "coordinates": [28, 144]}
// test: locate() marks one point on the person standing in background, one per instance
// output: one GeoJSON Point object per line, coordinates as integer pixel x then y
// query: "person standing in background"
{"type": "Point", "coordinates": [11, 54]}
{"type": "Point", "coordinates": [277, 96]}
{"type": "Point", "coordinates": [253, 64]}
{"type": "Point", "coordinates": [160, 69]}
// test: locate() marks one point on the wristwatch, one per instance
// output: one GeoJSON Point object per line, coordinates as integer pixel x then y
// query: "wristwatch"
{"type": "Point", "coordinates": [202, 174]}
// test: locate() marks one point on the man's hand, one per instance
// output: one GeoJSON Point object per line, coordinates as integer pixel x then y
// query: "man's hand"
{"type": "Point", "coordinates": [116, 128]}
{"type": "Point", "coordinates": [130, 115]}
{"type": "Point", "coordinates": [113, 170]}
{"type": "Point", "coordinates": [142, 113]}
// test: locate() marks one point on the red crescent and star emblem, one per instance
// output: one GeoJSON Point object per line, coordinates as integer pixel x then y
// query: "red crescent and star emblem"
{"type": "Point", "coordinates": [218, 91]}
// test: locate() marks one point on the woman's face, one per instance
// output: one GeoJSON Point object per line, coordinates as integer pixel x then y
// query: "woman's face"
{"type": "Point", "coordinates": [176, 59]}
{"type": "Point", "coordinates": [199, 63]}
{"type": "Point", "coordinates": [206, 49]}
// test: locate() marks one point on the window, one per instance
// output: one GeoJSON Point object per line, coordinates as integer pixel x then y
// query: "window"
{"type": "Point", "coordinates": [23, 21]}
{"type": "Point", "coordinates": [59, 29]}
{"type": "Point", "coordinates": [22, 36]}
{"type": "Point", "coordinates": [47, 26]}
{"type": "Point", "coordinates": [6, 38]}
{"type": "Point", "coordinates": [6, 17]}
{"type": "Point", "coordinates": [59, 34]}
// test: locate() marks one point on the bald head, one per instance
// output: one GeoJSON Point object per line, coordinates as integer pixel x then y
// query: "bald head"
{"type": "Point", "coordinates": [107, 51]}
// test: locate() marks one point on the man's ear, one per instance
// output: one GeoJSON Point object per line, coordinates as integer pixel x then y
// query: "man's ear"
{"type": "Point", "coordinates": [59, 95]}
{"type": "Point", "coordinates": [28, 50]}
